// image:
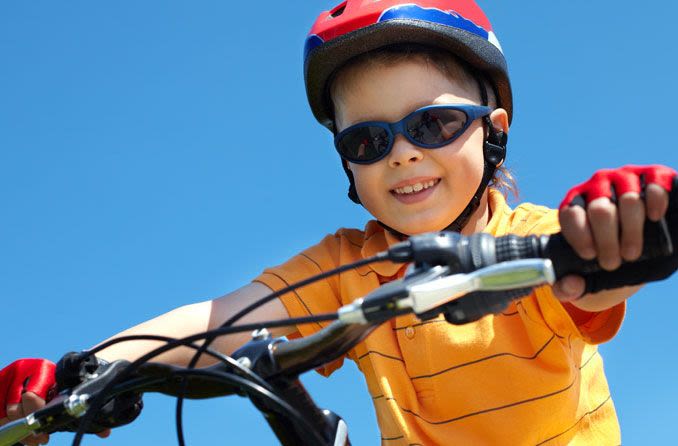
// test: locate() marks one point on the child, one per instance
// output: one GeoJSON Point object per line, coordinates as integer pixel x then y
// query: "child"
{"type": "Point", "coordinates": [530, 375]}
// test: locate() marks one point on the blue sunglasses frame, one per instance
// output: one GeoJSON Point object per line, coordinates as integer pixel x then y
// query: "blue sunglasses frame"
{"type": "Point", "coordinates": [392, 129]}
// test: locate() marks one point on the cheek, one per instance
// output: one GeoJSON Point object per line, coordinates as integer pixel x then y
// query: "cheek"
{"type": "Point", "coordinates": [367, 183]}
{"type": "Point", "coordinates": [471, 155]}
{"type": "Point", "coordinates": [363, 178]}
{"type": "Point", "coordinates": [464, 158]}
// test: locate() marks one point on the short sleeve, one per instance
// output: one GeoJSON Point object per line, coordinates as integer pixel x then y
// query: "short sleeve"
{"type": "Point", "coordinates": [317, 298]}
{"type": "Point", "coordinates": [593, 328]}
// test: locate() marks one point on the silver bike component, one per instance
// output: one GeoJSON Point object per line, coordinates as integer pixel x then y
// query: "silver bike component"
{"type": "Point", "coordinates": [15, 431]}
{"type": "Point", "coordinates": [32, 422]}
{"type": "Point", "coordinates": [502, 276]}
{"type": "Point", "coordinates": [261, 335]}
{"type": "Point", "coordinates": [76, 405]}
{"type": "Point", "coordinates": [352, 313]}
{"type": "Point", "coordinates": [245, 362]}
{"type": "Point", "coordinates": [341, 439]}
{"type": "Point", "coordinates": [516, 274]}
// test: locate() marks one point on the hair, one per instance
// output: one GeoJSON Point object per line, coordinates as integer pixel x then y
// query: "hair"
{"type": "Point", "coordinates": [443, 61]}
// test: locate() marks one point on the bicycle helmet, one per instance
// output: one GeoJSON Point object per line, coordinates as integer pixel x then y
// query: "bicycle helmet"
{"type": "Point", "coordinates": [358, 26]}
{"type": "Point", "coordinates": [355, 27]}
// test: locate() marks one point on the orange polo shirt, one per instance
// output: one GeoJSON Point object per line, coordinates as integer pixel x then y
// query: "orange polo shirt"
{"type": "Point", "coordinates": [529, 375]}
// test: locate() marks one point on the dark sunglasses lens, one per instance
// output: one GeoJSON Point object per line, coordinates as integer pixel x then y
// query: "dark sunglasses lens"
{"type": "Point", "coordinates": [363, 144]}
{"type": "Point", "coordinates": [436, 126]}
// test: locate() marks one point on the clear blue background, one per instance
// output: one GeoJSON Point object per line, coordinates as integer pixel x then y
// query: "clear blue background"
{"type": "Point", "coordinates": [154, 154]}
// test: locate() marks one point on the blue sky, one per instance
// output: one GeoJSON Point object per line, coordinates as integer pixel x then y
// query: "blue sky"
{"type": "Point", "coordinates": [154, 154]}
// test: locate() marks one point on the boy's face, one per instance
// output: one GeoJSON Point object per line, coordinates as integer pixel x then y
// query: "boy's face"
{"type": "Point", "coordinates": [452, 173]}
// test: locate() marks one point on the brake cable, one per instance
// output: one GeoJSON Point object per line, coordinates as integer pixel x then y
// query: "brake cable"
{"type": "Point", "coordinates": [100, 399]}
{"type": "Point", "coordinates": [227, 360]}
{"type": "Point", "coordinates": [209, 336]}
{"type": "Point", "coordinates": [258, 303]}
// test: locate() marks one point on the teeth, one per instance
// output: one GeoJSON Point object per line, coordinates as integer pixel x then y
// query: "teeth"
{"type": "Point", "coordinates": [414, 188]}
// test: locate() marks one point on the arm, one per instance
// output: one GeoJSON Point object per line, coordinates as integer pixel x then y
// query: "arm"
{"type": "Point", "coordinates": [593, 303]}
{"type": "Point", "coordinates": [196, 318]}
{"type": "Point", "coordinates": [183, 321]}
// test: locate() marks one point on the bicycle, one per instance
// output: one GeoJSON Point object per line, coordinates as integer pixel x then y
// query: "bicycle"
{"type": "Point", "coordinates": [462, 277]}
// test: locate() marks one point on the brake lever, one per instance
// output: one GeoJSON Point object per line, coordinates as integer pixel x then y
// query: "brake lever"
{"type": "Point", "coordinates": [72, 404]}
{"type": "Point", "coordinates": [427, 288]}
{"type": "Point", "coordinates": [15, 431]}
{"type": "Point", "coordinates": [386, 301]}
{"type": "Point", "coordinates": [511, 275]}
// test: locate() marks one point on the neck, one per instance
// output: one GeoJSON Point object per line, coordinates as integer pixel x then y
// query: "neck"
{"type": "Point", "coordinates": [480, 218]}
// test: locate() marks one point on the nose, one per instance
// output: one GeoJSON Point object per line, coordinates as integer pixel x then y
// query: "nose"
{"type": "Point", "coordinates": [404, 152]}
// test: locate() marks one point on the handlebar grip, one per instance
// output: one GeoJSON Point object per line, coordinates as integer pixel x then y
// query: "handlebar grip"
{"type": "Point", "coordinates": [658, 260]}
{"type": "Point", "coordinates": [515, 247]}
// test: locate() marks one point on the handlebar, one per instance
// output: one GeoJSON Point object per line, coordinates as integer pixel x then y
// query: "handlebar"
{"type": "Point", "coordinates": [463, 277]}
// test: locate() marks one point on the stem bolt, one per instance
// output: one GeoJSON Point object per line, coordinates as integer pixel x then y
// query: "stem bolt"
{"type": "Point", "coordinates": [261, 334]}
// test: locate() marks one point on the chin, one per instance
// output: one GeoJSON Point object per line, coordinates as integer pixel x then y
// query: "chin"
{"type": "Point", "coordinates": [419, 228]}
{"type": "Point", "coordinates": [412, 223]}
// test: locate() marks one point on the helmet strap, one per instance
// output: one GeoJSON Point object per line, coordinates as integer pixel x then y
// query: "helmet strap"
{"type": "Point", "coordinates": [494, 152]}
{"type": "Point", "coordinates": [352, 191]}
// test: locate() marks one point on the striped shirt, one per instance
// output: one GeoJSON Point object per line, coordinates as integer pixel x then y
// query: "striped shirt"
{"type": "Point", "coordinates": [529, 375]}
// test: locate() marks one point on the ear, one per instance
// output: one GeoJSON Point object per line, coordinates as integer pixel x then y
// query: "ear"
{"type": "Point", "coordinates": [494, 148]}
{"type": "Point", "coordinates": [499, 118]}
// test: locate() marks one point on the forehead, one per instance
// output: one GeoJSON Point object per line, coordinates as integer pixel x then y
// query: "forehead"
{"type": "Point", "coordinates": [387, 92]}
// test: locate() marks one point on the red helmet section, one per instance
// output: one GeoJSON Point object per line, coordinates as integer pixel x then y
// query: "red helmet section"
{"type": "Point", "coordinates": [355, 14]}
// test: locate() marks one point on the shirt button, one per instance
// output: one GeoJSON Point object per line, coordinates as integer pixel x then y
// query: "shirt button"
{"type": "Point", "coordinates": [409, 332]}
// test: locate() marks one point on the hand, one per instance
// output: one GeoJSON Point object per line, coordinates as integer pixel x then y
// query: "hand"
{"type": "Point", "coordinates": [25, 386]}
{"type": "Point", "coordinates": [603, 217]}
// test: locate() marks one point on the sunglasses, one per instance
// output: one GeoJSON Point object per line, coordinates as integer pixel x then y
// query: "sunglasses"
{"type": "Point", "coordinates": [429, 127]}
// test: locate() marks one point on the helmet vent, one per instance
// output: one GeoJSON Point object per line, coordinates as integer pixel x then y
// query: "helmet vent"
{"type": "Point", "coordinates": [338, 10]}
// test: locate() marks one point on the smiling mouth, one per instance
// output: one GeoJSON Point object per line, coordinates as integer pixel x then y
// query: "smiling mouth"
{"type": "Point", "coordinates": [413, 189]}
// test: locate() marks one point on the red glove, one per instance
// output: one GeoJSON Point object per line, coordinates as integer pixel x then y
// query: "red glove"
{"type": "Point", "coordinates": [26, 375]}
{"type": "Point", "coordinates": [612, 183]}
